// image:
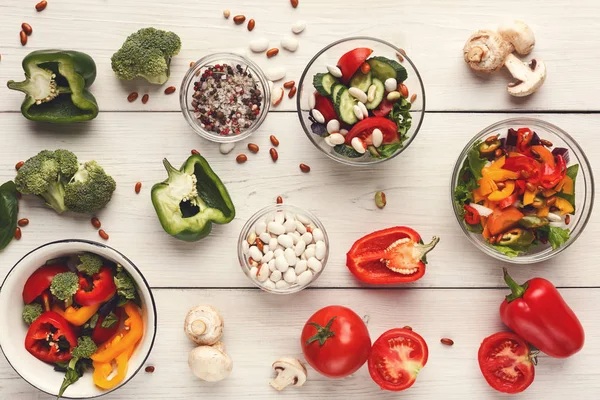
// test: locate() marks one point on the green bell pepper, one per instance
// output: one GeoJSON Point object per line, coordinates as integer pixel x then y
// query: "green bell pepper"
{"type": "Point", "coordinates": [55, 85]}
{"type": "Point", "coordinates": [191, 199]}
{"type": "Point", "coordinates": [517, 237]}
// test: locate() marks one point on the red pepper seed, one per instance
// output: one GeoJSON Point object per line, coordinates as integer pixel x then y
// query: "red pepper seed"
{"type": "Point", "coordinates": [96, 223]}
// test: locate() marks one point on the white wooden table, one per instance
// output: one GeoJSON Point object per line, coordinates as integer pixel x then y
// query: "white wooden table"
{"type": "Point", "coordinates": [460, 294]}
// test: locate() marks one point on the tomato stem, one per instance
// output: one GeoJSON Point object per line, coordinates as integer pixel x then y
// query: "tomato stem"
{"type": "Point", "coordinates": [323, 333]}
{"type": "Point", "coordinates": [517, 290]}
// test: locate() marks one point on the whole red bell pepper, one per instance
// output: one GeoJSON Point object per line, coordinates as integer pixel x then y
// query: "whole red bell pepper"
{"type": "Point", "coordinates": [50, 338]}
{"type": "Point", "coordinates": [101, 289]}
{"type": "Point", "coordinates": [537, 312]}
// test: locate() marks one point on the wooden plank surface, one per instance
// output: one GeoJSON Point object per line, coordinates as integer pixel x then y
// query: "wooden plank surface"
{"type": "Point", "coordinates": [260, 328]}
{"type": "Point", "coordinates": [432, 32]}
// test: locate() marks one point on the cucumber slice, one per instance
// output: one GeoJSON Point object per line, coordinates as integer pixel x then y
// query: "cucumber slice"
{"type": "Point", "coordinates": [379, 93]}
{"type": "Point", "coordinates": [383, 68]}
{"type": "Point", "coordinates": [323, 83]}
{"type": "Point", "coordinates": [361, 81]}
{"type": "Point", "coordinates": [343, 106]}
{"type": "Point", "coordinates": [346, 151]}
{"type": "Point", "coordinates": [335, 90]}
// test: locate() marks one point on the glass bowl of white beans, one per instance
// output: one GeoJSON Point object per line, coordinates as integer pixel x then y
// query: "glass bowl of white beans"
{"type": "Point", "coordinates": [283, 249]}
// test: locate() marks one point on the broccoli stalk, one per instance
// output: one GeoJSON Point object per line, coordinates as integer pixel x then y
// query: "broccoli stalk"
{"type": "Point", "coordinates": [90, 264]}
{"type": "Point", "coordinates": [90, 189]}
{"type": "Point", "coordinates": [31, 312]}
{"type": "Point", "coordinates": [64, 286]}
{"type": "Point", "coordinates": [146, 54]}
{"type": "Point", "coordinates": [81, 353]}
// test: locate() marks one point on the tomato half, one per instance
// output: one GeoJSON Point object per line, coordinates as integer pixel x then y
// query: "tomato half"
{"type": "Point", "coordinates": [335, 341]}
{"type": "Point", "coordinates": [325, 107]}
{"type": "Point", "coordinates": [364, 129]}
{"type": "Point", "coordinates": [350, 62]}
{"type": "Point", "coordinates": [505, 362]}
{"type": "Point", "coordinates": [40, 280]}
{"type": "Point", "coordinates": [396, 358]}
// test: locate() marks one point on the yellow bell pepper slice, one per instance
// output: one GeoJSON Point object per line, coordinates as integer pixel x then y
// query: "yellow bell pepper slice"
{"type": "Point", "coordinates": [564, 206]}
{"type": "Point", "coordinates": [499, 163]}
{"type": "Point", "coordinates": [498, 195]}
{"type": "Point", "coordinates": [102, 370]}
{"type": "Point", "coordinates": [565, 185]}
{"type": "Point", "coordinates": [486, 186]}
{"type": "Point", "coordinates": [77, 316]}
{"type": "Point", "coordinates": [548, 193]}
{"type": "Point", "coordinates": [500, 175]}
{"type": "Point", "coordinates": [543, 212]}
{"type": "Point", "coordinates": [477, 197]}
{"type": "Point", "coordinates": [124, 340]}
{"type": "Point", "coordinates": [528, 197]}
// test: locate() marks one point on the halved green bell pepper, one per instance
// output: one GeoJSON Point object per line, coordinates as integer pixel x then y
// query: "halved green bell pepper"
{"type": "Point", "coordinates": [55, 85]}
{"type": "Point", "coordinates": [191, 199]}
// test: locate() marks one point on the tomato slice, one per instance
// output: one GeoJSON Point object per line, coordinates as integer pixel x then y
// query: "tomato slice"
{"type": "Point", "coordinates": [364, 129]}
{"type": "Point", "coordinates": [350, 62]}
{"type": "Point", "coordinates": [505, 362]}
{"type": "Point", "coordinates": [384, 108]}
{"type": "Point", "coordinates": [396, 358]}
{"type": "Point", "coordinates": [40, 280]}
{"type": "Point", "coordinates": [325, 107]}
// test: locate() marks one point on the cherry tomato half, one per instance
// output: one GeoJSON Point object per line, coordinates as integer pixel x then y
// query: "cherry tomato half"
{"type": "Point", "coordinates": [335, 341]}
{"type": "Point", "coordinates": [365, 128]}
{"type": "Point", "coordinates": [350, 62]}
{"type": "Point", "coordinates": [505, 362]}
{"type": "Point", "coordinates": [396, 358]}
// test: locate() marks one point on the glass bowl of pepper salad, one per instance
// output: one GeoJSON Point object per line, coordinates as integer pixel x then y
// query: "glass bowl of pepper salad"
{"type": "Point", "coordinates": [224, 97]}
{"type": "Point", "coordinates": [522, 190]}
{"type": "Point", "coordinates": [283, 249]}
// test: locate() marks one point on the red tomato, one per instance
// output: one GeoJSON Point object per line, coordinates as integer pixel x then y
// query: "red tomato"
{"type": "Point", "coordinates": [335, 341]}
{"type": "Point", "coordinates": [101, 289]}
{"type": "Point", "coordinates": [384, 108]}
{"type": "Point", "coordinates": [505, 362]}
{"type": "Point", "coordinates": [325, 106]}
{"type": "Point", "coordinates": [396, 358]}
{"type": "Point", "coordinates": [364, 129]}
{"type": "Point", "coordinates": [45, 333]}
{"type": "Point", "coordinates": [40, 280]}
{"type": "Point", "coordinates": [350, 62]}
{"type": "Point", "coordinates": [100, 334]}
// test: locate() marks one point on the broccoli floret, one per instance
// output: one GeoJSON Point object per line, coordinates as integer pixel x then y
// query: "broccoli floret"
{"type": "Point", "coordinates": [31, 312]}
{"type": "Point", "coordinates": [125, 285]}
{"type": "Point", "coordinates": [90, 264]}
{"type": "Point", "coordinates": [64, 286]}
{"type": "Point", "coordinates": [90, 189]}
{"type": "Point", "coordinates": [84, 350]}
{"type": "Point", "coordinates": [45, 175]}
{"type": "Point", "coordinates": [146, 54]}
{"type": "Point", "coordinates": [85, 347]}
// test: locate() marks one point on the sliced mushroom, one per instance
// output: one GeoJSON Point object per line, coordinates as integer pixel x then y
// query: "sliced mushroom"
{"type": "Point", "coordinates": [520, 35]}
{"type": "Point", "coordinates": [529, 76]}
{"type": "Point", "coordinates": [210, 364]}
{"type": "Point", "coordinates": [485, 51]}
{"type": "Point", "coordinates": [203, 325]}
{"type": "Point", "coordinates": [290, 372]}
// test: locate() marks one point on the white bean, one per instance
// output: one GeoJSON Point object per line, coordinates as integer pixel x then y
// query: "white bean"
{"type": "Point", "coordinates": [314, 264]}
{"type": "Point", "coordinates": [267, 257]}
{"type": "Point", "coordinates": [290, 216]}
{"type": "Point", "coordinates": [303, 256]}
{"type": "Point", "coordinates": [276, 228]}
{"type": "Point", "coordinates": [282, 285]}
{"type": "Point", "coordinates": [290, 257]}
{"type": "Point", "coordinates": [320, 250]}
{"type": "Point", "coordinates": [357, 112]}
{"type": "Point", "coordinates": [333, 126]}
{"type": "Point", "coordinates": [289, 43]}
{"type": "Point", "coordinates": [273, 243]}
{"type": "Point", "coordinates": [363, 109]}
{"type": "Point", "coordinates": [298, 26]}
{"type": "Point", "coordinates": [307, 237]}
{"type": "Point", "coordinates": [344, 132]}
{"type": "Point", "coordinates": [304, 278]}
{"type": "Point", "coordinates": [337, 138]}
{"type": "Point", "coordinates": [318, 116]}
{"type": "Point", "coordinates": [255, 253]}
{"type": "Point", "coordinates": [327, 141]}
{"type": "Point", "coordinates": [289, 225]}
{"type": "Point", "coordinates": [377, 137]}
{"type": "Point", "coordinates": [275, 73]}
{"type": "Point", "coordinates": [279, 217]}
{"type": "Point", "coordinates": [264, 237]}
{"type": "Point", "coordinates": [300, 247]}
{"type": "Point", "coordinates": [275, 275]}
{"type": "Point", "coordinates": [552, 217]}
{"type": "Point", "coordinates": [272, 265]}
{"type": "Point", "coordinates": [335, 71]}
{"type": "Point", "coordinates": [393, 96]}
{"type": "Point", "coordinates": [295, 237]}
{"type": "Point", "coordinates": [318, 235]}
{"type": "Point", "coordinates": [285, 240]}
{"type": "Point", "coordinates": [263, 273]}
{"type": "Point", "coordinates": [390, 84]}
{"type": "Point", "coordinates": [245, 247]}
{"type": "Point", "coordinates": [358, 94]}
{"type": "Point", "coordinates": [226, 148]}
{"type": "Point", "coordinates": [371, 93]}
{"type": "Point", "coordinates": [252, 237]}
{"type": "Point", "coordinates": [269, 284]}
{"type": "Point", "coordinates": [290, 276]}
{"type": "Point", "coordinates": [253, 272]}
{"type": "Point", "coordinates": [301, 267]}
{"type": "Point", "coordinates": [259, 45]}
{"type": "Point", "coordinates": [278, 252]}
{"type": "Point", "coordinates": [281, 263]}
{"type": "Point", "coordinates": [266, 249]}
{"type": "Point", "coordinates": [300, 228]}
{"type": "Point", "coordinates": [303, 218]}
{"type": "Point", "coordinates": [309, 252]}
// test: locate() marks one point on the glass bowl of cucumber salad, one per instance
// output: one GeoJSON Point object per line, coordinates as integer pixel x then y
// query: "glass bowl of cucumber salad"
{"type": "Point", "coordinates": [361, 101]}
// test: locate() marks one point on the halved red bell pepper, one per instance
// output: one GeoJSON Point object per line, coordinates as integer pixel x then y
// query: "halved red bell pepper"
{"type": "Point", "coordinates": [100, 334]}
{"type": "Point", "coordinates": [45, 334]}
{"type": "Point", "coordinates": [101, 289]}
{"type": "Point", "coordinates": [552, 175]}
{"type": "Point", "coordinates": [350, 62]}
{"type": "Point", "coordinates": [393, 255]}
{"type": "Point", "coordinates": [325, 107]}
{"type": "Point", "coordinates": [40, 281]}
{"type": "Point", "coordinates": [537, 312]}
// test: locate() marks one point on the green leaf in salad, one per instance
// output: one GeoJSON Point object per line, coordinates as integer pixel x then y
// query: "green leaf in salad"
{"type": "Point", "coordinates": [476, 163]}
{"type": "Point", "coordinates": [9, 208]}
{"type": "Point", "coordinates": [463, 192]}
{"type": "Point", "coordinates": [556, 236]}
{"type": "Point", "coordinates": [109, 321]}
{"type": "Point", "coordinates": [400, 114]}
{"type": "Point", "coordinates": [385, 150]}
{"type": "Point", "coordinates": [510, 251]}
{"type": "Point", "coordinates": [572, 172]}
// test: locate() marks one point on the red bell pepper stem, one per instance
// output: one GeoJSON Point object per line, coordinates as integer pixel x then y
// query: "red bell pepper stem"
{"type": "Point", "coordinates": [422, 249]}
{"type": "Point", "coordinates": [517, 290]}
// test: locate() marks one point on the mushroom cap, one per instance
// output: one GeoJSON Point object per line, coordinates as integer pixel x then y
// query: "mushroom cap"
{"type": "Point", "coordinates": [531, 78]}
{"type": "Point", "coordinates": [293, 367]}
{"type": "Point", "coordinates": [210, 364]}
{"type": "Point", "coordinates": [219, 346]}
{"type": "Point", "coordinates": [486, 50]}
{"type": "Point", "coordinates": [520, 35]}
{"type": "Point", "coordinates": [204, 325]}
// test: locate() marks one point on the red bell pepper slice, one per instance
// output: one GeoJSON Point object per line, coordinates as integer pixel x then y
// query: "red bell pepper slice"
{"type": "Point", "coordinates": [509, 201]}
{"type": "Point", "coordinates": [537, 312]}
{"type": "Point", "coordinates": [530, 169]}
{"type": "Point", "coordinates": [325, 107]}
{"type": "Point", "coordinates": [101, 289]}
{"type": "Point", "coordinates": [45, 334]}
{"type": "Point", "coordinates": [524, 137]}
{"type": "Point", "coordinates": [472, 216]}
{"type": "Point", "coordinates": [40, 281]}
{"type": "Point", "coordinates": [520, 186]}
{"type": "Point", "coordinates": [393, 255]}
{"type": "Point", "coordinates": [350, 62]}
{"type": "Point", "coordinates": [551, 176]}
{"type": "Point", "coordinates": [100, 334]}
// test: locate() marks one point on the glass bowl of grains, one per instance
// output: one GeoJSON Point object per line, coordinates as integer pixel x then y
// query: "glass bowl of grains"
{"type": "Point", "coordinates": [225, 97]}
